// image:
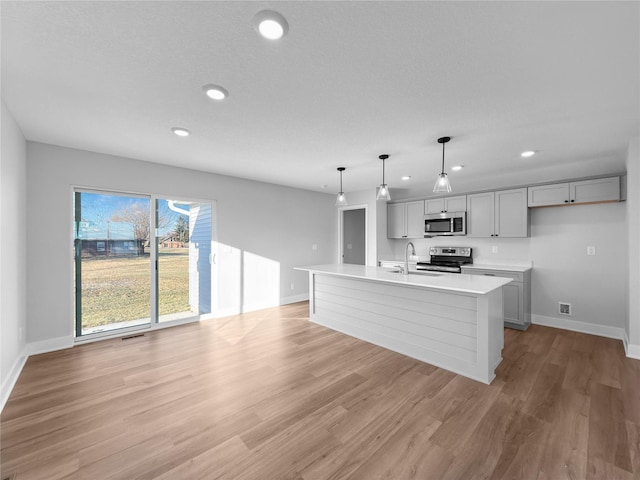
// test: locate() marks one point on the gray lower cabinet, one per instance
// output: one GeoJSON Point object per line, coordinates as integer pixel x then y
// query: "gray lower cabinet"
{"type": "Point", "coordinates": [516, 296]}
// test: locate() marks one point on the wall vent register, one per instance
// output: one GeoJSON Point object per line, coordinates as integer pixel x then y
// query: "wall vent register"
{"type": "Point", "coordinates": [564, 308]}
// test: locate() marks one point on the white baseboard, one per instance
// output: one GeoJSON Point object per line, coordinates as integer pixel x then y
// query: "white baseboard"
{"type": "Point", "coordinates": [227, 312]}
{"type": "Point", "coordinates": [577, 326]}
{"type": "Point", "coordinates": [10, 382]}
{"type": "Point", "coordinates": [294, 299]}
{"type": "Point", "coordinates": [631, 350]}
{"type": "Point", "coordinates": [283, 301]}
{"type": "Point", "coordinates": [50, 345]}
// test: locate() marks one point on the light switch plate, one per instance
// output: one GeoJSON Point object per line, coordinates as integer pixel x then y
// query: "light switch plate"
{"type": "Point", "coordinates": [591, 250]}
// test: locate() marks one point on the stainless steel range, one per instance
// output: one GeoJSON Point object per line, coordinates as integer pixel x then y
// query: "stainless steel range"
{"type": "Point", "coordinates": [446, 259]}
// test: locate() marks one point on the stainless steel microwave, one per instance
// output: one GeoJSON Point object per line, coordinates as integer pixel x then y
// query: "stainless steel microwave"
{"type": "Point", "coordinates": [445, 223]}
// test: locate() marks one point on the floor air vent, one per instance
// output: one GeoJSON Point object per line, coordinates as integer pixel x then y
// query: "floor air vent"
{"type": "Point", "coordinates": [564, 308]}
{"type": "Point", "coordinates": [130, 337]}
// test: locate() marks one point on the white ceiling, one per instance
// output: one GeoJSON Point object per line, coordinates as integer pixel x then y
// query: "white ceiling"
{"type": "Point", "coordinates": [350, 81]}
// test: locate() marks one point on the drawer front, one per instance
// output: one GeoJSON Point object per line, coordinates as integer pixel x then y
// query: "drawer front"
{"type": "Point", "coordinates": [515, 276]}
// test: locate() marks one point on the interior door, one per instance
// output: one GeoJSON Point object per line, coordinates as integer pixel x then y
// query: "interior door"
{"type": "Point", "coordinates": [354, 236]}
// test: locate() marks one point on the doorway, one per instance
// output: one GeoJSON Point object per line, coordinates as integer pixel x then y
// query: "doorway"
{"type": "Point", "coordinates": [353, 244]}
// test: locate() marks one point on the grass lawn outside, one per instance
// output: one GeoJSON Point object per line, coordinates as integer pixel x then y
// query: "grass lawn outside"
{"type": "Point", "coordinates": [117, 289]}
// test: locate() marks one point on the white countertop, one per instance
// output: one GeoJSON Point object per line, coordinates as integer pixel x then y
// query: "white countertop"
{"type": "Point", "coordinates": [455, 282]}
{"type": "Point", "coordinates": [504, 268]}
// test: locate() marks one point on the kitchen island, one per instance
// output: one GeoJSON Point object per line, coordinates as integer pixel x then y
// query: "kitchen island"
{"type": "Point", "coordinates": [453, 321]}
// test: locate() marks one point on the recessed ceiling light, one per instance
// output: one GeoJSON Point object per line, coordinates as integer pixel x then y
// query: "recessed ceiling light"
{"type": "Point", "coordinates": [215, 92]}
{"type": "Point", "coordinates": [406, 177]}
{"type": "Point", "coordinates": [270, 24]}
{"type": "Point", "coordinates": [455, 168]}
{"type": "Point", "coordinates": [181, 132]}
{"type": "Point", "coordinates": [528, 153]}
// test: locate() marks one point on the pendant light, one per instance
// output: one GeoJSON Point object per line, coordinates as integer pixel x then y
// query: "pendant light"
{"type": "Point", "coordinates": [341, 200]}
{"type": "Point", "coordinates": [383, 190]}
{"type": "Point", "coordinates": [442, 184]}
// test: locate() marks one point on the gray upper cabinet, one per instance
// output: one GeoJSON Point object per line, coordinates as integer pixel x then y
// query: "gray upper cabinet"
{"type": "Point", "coordinates": [544, 195]}
{"type": "Point", "coordinates": [480, 214]}
{"type": "Point", "coordinates": [598, 190]}
{"type": "Point", "coordinates": [498, 214]}
{"type": "Point", "coordinates": [585, 191]}
{"type": "Point", "coordinates": [511, 215]}
{"type": "Point", "coordinates": [446, 204]}
{"type": "Point", "coordinates": [405, 220]}
{"type": "Point", "coordinates": [396, 220]}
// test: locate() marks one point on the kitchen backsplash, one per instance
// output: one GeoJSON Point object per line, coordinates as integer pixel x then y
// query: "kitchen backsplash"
{"type": "Point", "coordinates": [509, 251]}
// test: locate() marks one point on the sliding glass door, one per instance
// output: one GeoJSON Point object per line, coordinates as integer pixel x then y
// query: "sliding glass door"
{"type": "Point", "coordinates": [184, 260]}
{"type": "Point", "coordinates": [112, 261]}
{"type": "Point", "coordinates": [127, 277]}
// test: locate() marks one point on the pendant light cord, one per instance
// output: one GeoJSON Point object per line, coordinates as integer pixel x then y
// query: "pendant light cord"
{"type": "Point", "coordinates": [443, 143]}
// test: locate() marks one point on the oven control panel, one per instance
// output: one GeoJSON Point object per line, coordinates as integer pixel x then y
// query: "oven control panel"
{"type": "Point", "coordinates": [451, 251]}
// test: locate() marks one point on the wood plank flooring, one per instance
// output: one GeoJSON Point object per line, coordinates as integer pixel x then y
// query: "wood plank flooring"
{"type": "Point", "coordinates": [269, 395]}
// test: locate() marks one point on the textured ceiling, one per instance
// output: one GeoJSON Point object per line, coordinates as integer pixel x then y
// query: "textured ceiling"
{"type": "Point", "coordinates": [350, 81]}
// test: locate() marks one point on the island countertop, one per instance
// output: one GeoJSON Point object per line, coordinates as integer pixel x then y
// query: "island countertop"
{"type": "Point", "coordinates": [452, 282]}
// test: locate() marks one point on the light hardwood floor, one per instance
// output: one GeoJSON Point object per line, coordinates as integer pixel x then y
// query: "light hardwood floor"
{"type": "Point", "coordinates": [269, 395]}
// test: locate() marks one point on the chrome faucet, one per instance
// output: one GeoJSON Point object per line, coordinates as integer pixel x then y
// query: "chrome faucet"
{"type": "Point", "coordinates": [406, 257]}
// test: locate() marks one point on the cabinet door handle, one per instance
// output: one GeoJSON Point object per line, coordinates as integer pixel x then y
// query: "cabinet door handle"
{"type": "Point", "coordinates": [489, 274]}
{"type": "Point", "coordinates": [572, 201]}
{"type": "Point", "coordinates": [566, 201]}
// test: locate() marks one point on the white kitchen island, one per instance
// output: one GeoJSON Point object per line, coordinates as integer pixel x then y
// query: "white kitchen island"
{"type": "Point", "coordinates": [453, 321]}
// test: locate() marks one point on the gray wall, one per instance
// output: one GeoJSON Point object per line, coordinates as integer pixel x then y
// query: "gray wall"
{"type": "Point", "coordinates": [268, 221]}
{"type": "Point", "coordinates": [13, 252]}
{"type": "Point", "coordinates": [596, 286]}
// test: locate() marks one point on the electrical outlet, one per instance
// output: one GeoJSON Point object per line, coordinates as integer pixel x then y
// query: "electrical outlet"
{"type": "Point", "coordinates": [292, 286]}
{"type": "Point", "coordinates": [591, 250]}
{"type": "Point", "coordinates": [494, 249]}
{"type": "Point", "coordinates": [314, 246]}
